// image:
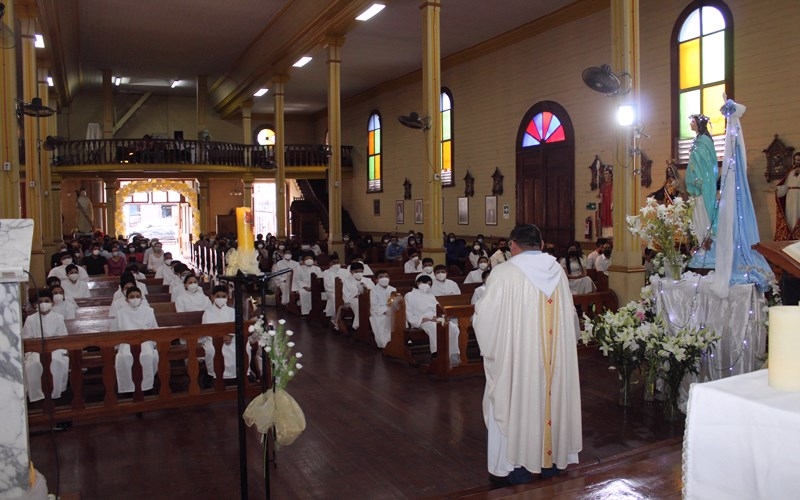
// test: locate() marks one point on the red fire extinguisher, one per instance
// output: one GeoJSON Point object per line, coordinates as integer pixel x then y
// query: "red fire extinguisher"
{"type": "Point", "coordinates": [587, 228]}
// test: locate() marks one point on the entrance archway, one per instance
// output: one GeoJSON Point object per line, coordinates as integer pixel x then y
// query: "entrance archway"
{"type": "Point", "coordinates": [180, 187]}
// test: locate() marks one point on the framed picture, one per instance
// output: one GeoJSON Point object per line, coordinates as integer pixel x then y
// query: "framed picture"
{"type": "Point", "coordinates": [463, 210]}
{"type": "Point", "coordinates": [491, 210]}
{"type": "Point", "coordinates": [418, 215]}
{"type": "Point", "coordinates": [376, 207]}
{"type": "Point", "coordinates": [398, 212]}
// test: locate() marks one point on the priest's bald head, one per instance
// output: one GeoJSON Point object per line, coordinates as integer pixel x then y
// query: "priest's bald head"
{"type": "Point", "coordinates": [525, 237]}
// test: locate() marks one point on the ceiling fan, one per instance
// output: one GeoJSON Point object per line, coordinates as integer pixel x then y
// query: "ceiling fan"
{"type": "Point", "coordinates": [602, 79]}
{"type": "Point", "coordinates": [413, 120]}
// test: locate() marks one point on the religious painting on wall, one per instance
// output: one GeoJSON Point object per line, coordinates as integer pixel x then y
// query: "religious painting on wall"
{"type": "Point", "coordinates": [463, 210]}
{"type": "Point", "coordinates": [491, 210]}
{"type": "Point", "coordinates": [418, 216]}
{"type": "Point", "coordinates": [398, 211]}
{"type": "Point", "coordinates": [376, 207]}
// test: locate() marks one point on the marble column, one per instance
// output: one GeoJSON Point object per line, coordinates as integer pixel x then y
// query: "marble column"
{"type": "Point", "coordinates": [280, 156]}
{"type": "Point", "coordinates": [15, 246]}
{"type": "Point", "coordinates": [626, 274]}
{"type": "Point", "coordinates": [335, 143]}
{"type": "Point", "coordinates": [431, 97]}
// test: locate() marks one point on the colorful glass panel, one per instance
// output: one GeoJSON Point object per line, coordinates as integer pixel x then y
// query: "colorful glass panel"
{"type": "Point", "coordinates": [447, 158]}
{"type": "Point", "coordinates": [378, 141]}
{"type": "Point", "coordinates": [691, 27]}
{"type": "Point", "coordinates": [712, 101]}
{"type": "Point", "coordinates": [545, 127]}
{"type": "Point", "coordinates": [374, 153]}
{"type": "Point", "coordinates": [689, 104]}
{"type": "Point", "coordinates": [371, 143]}
{"type": "Point", "coordinates": [446, 131]}
{"type": "Point", "coordinates": [712, 20]}
{"type": "Point", "coordinates": [689, 61]}
{"type": "Point", "coordinates": [713, 64]}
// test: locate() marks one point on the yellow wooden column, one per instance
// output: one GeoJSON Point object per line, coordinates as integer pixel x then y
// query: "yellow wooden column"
{"type": "Point", "coordinates": [247, 192]}
{"type": "Point", "coordinates": [247, 130]}
{"type": "Point", "coordinates": [108, 107]}
{"type": "Point", "coordinates": [432, 166]}
{"type": "Point", "coordinates": [56, 210]}
{"type": "Point", "coordinates": [33, 176]}
{"type": "Point", "coordinates": [47, 126]}
{"type": "Point", "coordinates": [280, 156]}
{"type": "Point", "coordinates": [9, 144]}
{"type": "Point", "coordinates": [205, 224]}
{"type": "Point", "coordinates": [626, 274]}
{"type": "Point", "coordinates": [335, 142]}
{"type": "Point", "coordinates": [110, 185]}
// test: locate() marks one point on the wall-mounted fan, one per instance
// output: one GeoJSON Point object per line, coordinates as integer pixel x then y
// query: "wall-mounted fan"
{"type": "Point", "coordinates": [413, 120]}
{"type": "Point", "coordinates": [51, 142]}
{"type": "Point", "coordinates": [602, 79]}
{"type": "Point", "coordinates": [35, 108]}
{"type": "Point", "coordinates": [7, 38]}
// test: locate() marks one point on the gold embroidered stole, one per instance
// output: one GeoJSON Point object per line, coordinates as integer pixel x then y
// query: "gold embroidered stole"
{"type": "Point", "coordinates": [548, 337]}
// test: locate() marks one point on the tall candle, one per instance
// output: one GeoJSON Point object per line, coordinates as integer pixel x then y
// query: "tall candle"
{"type": "Point", "coordinates": [244, 228]}
{"type": "Point", "coordinates": [784, 348]}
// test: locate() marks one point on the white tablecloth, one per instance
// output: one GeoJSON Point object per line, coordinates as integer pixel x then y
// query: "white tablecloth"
{"type": "Point", "coordinates": [737, 318]}
{"type": "Point", "coordinates": [742, 440]}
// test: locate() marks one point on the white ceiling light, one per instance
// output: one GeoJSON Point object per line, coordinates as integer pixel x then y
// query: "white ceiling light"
{"type": "Point", "coordinates": [260, 92]}
{"type": "Point", "coordinates": [370, 12]}
{"type": "Point", "coordinates": [302, 62]}
{"type": "Point", "coordinates": [50, 82]}
{"type": "Point", "coordinates": [38, 41]}
{"type": "Point", "coordinates": [174, 84]}
{"type": "Point", "coordinates": [117, 81]}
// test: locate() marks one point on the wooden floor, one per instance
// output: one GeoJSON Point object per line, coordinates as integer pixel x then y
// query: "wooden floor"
{"type": "Point", "coordinates": [377, 429]}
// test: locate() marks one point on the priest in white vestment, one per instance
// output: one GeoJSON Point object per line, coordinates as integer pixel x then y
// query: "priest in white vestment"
{"type": "Point", "coordinates": [527, 331]}
{"type": "Point", "coordinates": [135, 316]}
{"type": "Point", "coordinates": [50, 324]}
{"type": "Point", "coordinates": [380, 315]}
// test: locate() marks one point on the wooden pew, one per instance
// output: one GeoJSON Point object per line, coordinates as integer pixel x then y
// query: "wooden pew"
{"type": "Point", "coordinates": [92, 312]}
{"type": "Point", "coordinates": [440, 366]}
{"type": "Point", "coordinates": [109, 291]}
{"type": "Point", "coordinates": [113, 282]}
{"type": "Point", "coordinates": [317, 313]}
{"type": "Point", "coordinates": [406, 343]}
{"type": "Point", "coordinates": [595, 303]}
{"type": "Point", "coordinates": [107, 403]}
{"type": "Point", "coordinates": [106, 301]}
{"type": "Point", "coordinates": [99, 325]}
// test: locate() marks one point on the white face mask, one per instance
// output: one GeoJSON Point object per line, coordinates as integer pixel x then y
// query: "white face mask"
{"type": "Point", "coordinates": [309, 262]}
{"type": "Point", "coordinates": [482, 266]}
{"type": "Point", "coordinates": [415, 259]}
{"type": "Point", "coordinates": [441, 276]}
{"type": "Point", "coordinates": [281, 247]}
{"type": "Point", "coordinates": [476, 247]}
{"type": "Point", "coordinates": [480, 240]}
{"type": "Point", "coordinates": [58, 298]}
{"type": "Point", "coordinates": [288, 256]}
{"type": "Point", "coordinates": [428, 269]}
{"type": "Point", "coordinates": [220, 302]}
{"type": "Point", "coordinates": [384, 282]}
{"type": "Point", "coordinates": [44, 307]}
{"type": "Point", "coordinates": [115, 253]}
{"type": "Point", "coordinates": [73, 277]}
{"type": "Point", "coordinates": [358, 276]}
{"type": "Point", "coordinates": [135, 302]}
{"type": "Point", "coordinates": [424, 287]}
{"type": "Point", "coordinates": [452, 240]}
{"type": "Point", "coordinates": [192, 287]}
{"type": "Point", "coordinates": [167, 261]}
{"type": "Point", "coordinates": [66, 262]}
{"type": "Point", "coordinates": [335, 266]}
{"type": "Point", "coordinates": [95, 252]}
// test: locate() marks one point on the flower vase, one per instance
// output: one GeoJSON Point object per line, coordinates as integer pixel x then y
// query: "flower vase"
{"type": "Point", "coordinates": [625, 386]}
{"type": "Point", "coordinates": [671, 411]}
{"type": "Point", "coordinates": [673, 268]}
{"type": "Point", "coordinates": [650, 377]}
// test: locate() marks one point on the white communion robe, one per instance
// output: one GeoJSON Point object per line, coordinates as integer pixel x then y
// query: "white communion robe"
{"type": "Point", "coordinates": [224, 314]}
{"type": "Point", "coordinates": [423, 305]}
{"type": "Point", "coordinates": [446, 287]}
{"type": "Point", "coordinates": [351, 289]}
{"type": "Point", "coordinates": [192, 301]}
{"type": "Point", "coordinates": [380, 315]}
{"type": "Point", "coordinates": [301, 280]}
{"type": "Point", "coordinates": [284, 280]}
{"type": "Point", "coordinates": [141, 318]}
{"type": "Point", "coordinates": [474, 276]}
{"type": "Point", "coordinates": [119, 301]}
{"type": "Point", "coordinates": [329, 282]}
{"type": "Point", "coordinates": [77, 290]}
{"type": "Point", "coordinates": [61, 273]}
{"type": "Point", "coordinates": [527, 331]}
{"type": "Point", "coordinates": [53, 325]}
{"type": "Point", "coordinates": [578, 283]}
{"type": "Point", "coordinates": [67, 307]}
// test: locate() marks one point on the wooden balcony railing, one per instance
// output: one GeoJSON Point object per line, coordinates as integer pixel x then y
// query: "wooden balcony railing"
{"type": "Point", "coordinates": [177, 152]}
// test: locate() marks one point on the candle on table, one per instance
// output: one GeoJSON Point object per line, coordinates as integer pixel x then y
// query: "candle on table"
{"type": "Point", "coordinates": [244, 228]}
{"type": "Point", "coordinates": [784, 348]}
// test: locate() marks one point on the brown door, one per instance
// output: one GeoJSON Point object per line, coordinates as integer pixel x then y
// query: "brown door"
{"type": "Point", "coordinates": [545, 176]}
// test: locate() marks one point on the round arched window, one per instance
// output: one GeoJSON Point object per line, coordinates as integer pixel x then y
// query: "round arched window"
{"type": "Point", "coordinates": [265, 137]}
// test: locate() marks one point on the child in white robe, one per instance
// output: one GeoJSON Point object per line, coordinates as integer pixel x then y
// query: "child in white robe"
{"type": "Point", "coordinates": [427, 268]}
{"type": "Point", "coordinates": [380, 315]}
{"type": "Point", "coordinates": [73, 285]}
{"type": "Point", "coordinates": [63, 304]}
{"type": "Point", "coordinates": [119, 299]}
{"type": "Point", "coordinates": [283, 282]}
{"type": "Point", "coordinates": [301, 282]}
{"type": "Point", "coordinates": [353, 285]}
{"type": "Point", "coordinates": [329, 282]}
{"type": "Point", "coordinates": [220, 312]}
{"type": "Point", "coordinates": [51, 324]}
{"type": "Point", "coordinates": [367, 270]}
{"type": "Point", "coordinates": [421, 313]}
{"type": "Point", "coordinates": [193, 299]}
{"type": "Point", "coordinates": [62, 271]}
{"type": "Point", "coordinates": [165, 272]}
{"type": "Point", "coordinates": [442, 285]}
{"type": "Point", "coordinates": [177, 288]}
{"type": "Point", "coordinates": [413, 264]}
{"type": "Point", "coordinates": [135, 316]}
{"type": "Point", "coordinates": [474, 276]}
{"type": "Point", "coordinates": [478, 292]}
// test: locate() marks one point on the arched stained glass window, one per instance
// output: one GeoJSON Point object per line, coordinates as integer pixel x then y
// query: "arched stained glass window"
{"type": "Point", "coordinates": [446, 150]}
{"type": "Point", "coordinates": [544, 128]}
{"type": "Point", "coordinates": [701, 74]}
{"type": "Point", "coordinates": [374, 166]}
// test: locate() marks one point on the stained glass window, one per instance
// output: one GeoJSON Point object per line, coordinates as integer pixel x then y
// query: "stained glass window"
{"type": "Point", "coordinates": [702, 55]}
{"type": "Point", "coordinates": [446, 109]}
{"type": "Point", "coordinates": [544, 128]}
{"type": "Point", "coordinates": [374, 154]}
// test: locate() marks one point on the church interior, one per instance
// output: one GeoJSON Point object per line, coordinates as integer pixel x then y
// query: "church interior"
{"type": "Point", "coordinates": [432, 118]}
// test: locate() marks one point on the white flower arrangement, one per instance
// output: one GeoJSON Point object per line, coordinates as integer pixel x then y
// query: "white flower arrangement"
{"type": "Point", "coordinates": [663, 227]}
{"type": "Point", "coordinates": [276, 343]}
